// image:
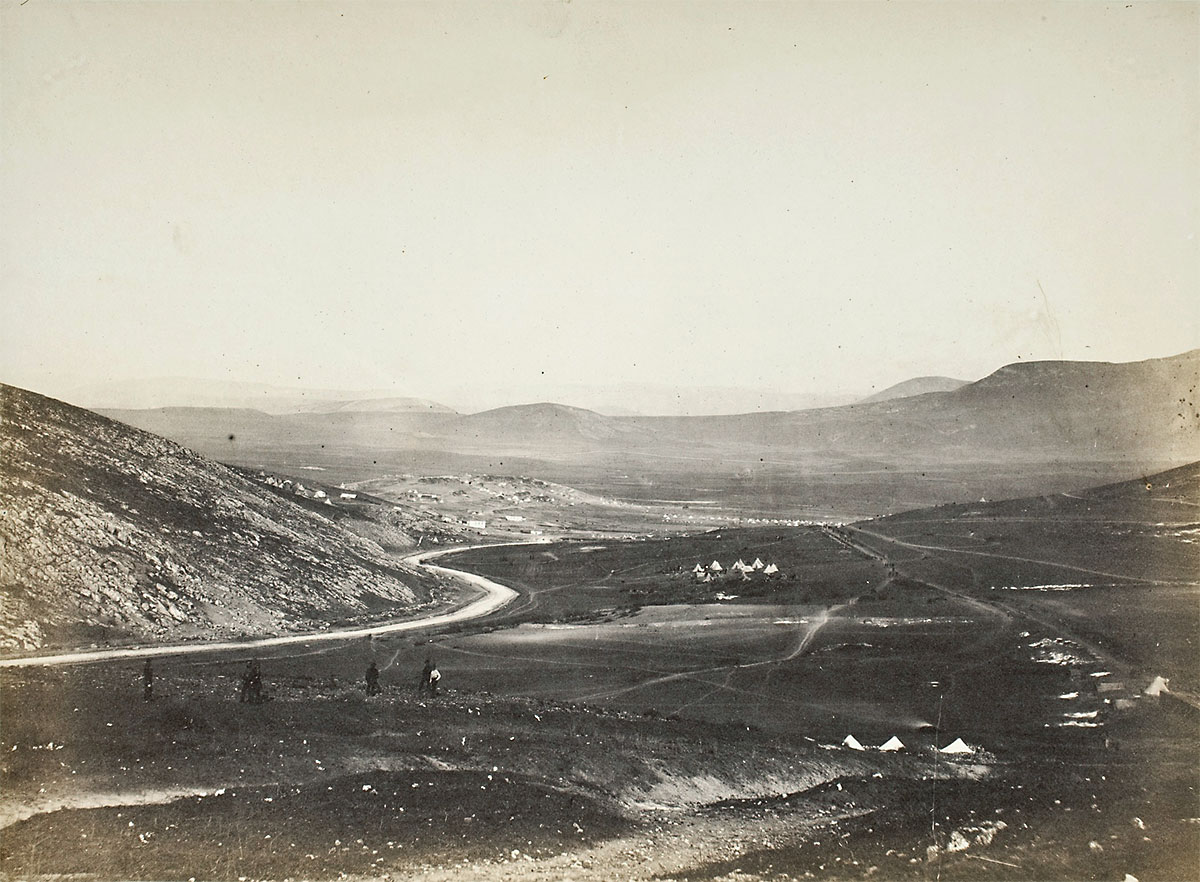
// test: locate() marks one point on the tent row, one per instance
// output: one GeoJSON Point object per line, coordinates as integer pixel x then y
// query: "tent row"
{"type": "Point", "coordinates": [745, 569]}
{"type": "Point", "coordinates": [894, 743]}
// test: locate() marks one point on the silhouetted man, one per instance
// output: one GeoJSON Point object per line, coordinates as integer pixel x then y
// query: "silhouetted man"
{"type": "Point", "coordinates": [252, 690]}
{"type": "Point", "coordinates": [247, 676]}
{"type": "Point", "coordinates": [256, 686]}
{"type": "Point", "coordinates": [373, 679]}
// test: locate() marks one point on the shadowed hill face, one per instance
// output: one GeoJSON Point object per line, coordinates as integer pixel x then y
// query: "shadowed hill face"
{"type": "Point", "coordinates": [1142, 411]}
{"type": "Point", "coordinates": [110, 532]}
{"type": "Point", "coordinates": [1080, 384]}
{"type": "Point", "coordinates": [1149, 406]}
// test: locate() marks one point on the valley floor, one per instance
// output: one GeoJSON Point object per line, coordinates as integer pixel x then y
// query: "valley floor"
{"type": "Point", "coordinates": [622, 719]}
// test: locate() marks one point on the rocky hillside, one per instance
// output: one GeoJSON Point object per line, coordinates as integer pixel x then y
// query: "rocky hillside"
{"type": "Point", "coordinates": [110, 533]}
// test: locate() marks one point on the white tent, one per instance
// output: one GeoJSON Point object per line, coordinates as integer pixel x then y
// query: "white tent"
{"type": "Point", "coordinates": [758, 564]}
{"type": "Point", "coordinates": [715, 566]}
{"type": "Point", "coordinates": [740, 565]}
{"type": "Point", "coordinates": [698, 568]}
{"type": "Point", "coordinates": [1158, 686]}
{"type": "Point", "coordinates": [771, 570]}
{"type": "Point", "coordinates": [957, 746]}
{"type": "Point", "coordinates": [892, 743]}
{"type": "Point", "coordinates": [852, 742]}
{"type": "Point", "coordinates": [703, 576]}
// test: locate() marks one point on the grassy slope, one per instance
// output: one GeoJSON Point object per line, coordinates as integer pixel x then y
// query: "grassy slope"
{"type": "Point", "coordinates": [1132, 545]}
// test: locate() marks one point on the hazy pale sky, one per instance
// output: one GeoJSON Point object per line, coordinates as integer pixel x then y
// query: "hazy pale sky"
{"type": "Point", "coordinates": [805, 196]}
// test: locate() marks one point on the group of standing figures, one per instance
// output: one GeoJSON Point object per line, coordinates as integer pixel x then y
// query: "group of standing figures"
{"type": "Point", "coordinates": [252, 684]}
{"type": "Point", "coordinates": [428, 684]}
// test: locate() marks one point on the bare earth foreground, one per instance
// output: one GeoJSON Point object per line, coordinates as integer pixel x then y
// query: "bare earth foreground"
{"type": "Point", "coordinates": [621, 719]}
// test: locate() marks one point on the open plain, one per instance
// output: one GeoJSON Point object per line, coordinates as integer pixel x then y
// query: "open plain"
{"type": "Point", "coordinates": [629, 717]}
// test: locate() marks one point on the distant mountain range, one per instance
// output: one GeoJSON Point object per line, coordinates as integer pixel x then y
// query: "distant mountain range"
{"type": "Point", "coordinates": [628, 399]}
{"type": "Point", "coordinates": [625, 399]}
{"type": "Point", "coordinates": [649, 399]}
{"type": "Point", "coordinates": [111, 533]}
{"type": "Point", "coordinates": [162, 392]}
{"type": "Point", "coordinates": [1038, 411]}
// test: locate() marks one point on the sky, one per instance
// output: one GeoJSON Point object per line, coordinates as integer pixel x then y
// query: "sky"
{"type": "Point", "coordinates": [426, 198]}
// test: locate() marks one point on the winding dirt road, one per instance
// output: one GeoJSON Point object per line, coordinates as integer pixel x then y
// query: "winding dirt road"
{"type": "Point", "coordinates": [495, 597]}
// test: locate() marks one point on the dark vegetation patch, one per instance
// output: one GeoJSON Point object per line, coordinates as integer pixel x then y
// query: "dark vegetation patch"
{"type": "Point", "coordinates": [366, 823]}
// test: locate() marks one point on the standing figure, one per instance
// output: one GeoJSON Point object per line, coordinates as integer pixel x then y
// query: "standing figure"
{"type": "Point", "coordinates": [256, 686]}
{"type": "Point", "coordinates": [429, 678]}
{"type": "Point", "coordinates": [147, 681]}
{"type": "Point", "coordinates": [373, 679]}
{"type": "Point", "coordinates": [247, 678]}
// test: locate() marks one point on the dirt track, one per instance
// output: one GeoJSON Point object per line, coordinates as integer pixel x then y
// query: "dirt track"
{"type": "Point", "coordinates": [943, 549]}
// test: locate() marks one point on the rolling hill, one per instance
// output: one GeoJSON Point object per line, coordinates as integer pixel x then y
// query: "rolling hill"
{"type": "Point", "coordinates": [111, 533]}
{"type": "Point", "coordinates": [1036, 412]}
{"type": "Point", "coordinates": [915, 386]}
{"type": "Point", "coordinates": [528, 427]}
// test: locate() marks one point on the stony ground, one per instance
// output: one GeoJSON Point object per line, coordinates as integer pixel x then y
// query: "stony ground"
{"type": "Point", "coordinates": [323, 782]}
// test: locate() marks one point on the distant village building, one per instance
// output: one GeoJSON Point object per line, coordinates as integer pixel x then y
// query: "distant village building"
{"type": "Point", "coordinates": [349, 495]}
{"type": "Point", "coordinates": [319, 494]}
{"type": "Point", "coordinates": [477, 525]}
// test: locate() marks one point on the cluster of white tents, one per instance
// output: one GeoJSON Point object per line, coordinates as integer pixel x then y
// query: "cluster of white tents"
{"type": "Point", "coordinates": [894, 743]}
{"type": "Point", "coordinates": [715, 571]}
